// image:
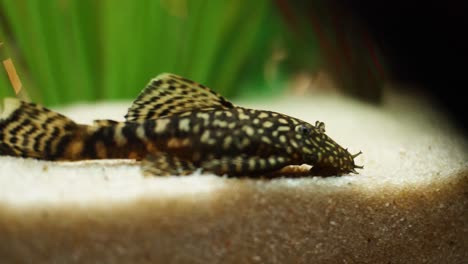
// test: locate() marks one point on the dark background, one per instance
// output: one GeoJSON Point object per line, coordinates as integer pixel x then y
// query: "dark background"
{"type": "Point", "coordinates": [425, 44]}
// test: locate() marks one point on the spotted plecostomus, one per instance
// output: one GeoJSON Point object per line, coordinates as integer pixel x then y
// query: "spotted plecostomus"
{"type": "Point", "coordinates": [175, 127]}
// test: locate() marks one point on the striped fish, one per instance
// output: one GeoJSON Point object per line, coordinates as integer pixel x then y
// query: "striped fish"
{"type": "Point", "coordinates": [176, 126]}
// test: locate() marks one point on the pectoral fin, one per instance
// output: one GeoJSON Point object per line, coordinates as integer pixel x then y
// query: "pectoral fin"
{"type": "Point", "coordinates": [243, 165]}
{"type": "Point", "coordinates": [163, 164]}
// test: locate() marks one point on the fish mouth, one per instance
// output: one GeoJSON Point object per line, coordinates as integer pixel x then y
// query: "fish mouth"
{"type": "Point", "coordinates": [353, 170]}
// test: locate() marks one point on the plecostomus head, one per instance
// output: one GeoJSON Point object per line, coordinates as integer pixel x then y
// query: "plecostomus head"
{"type": "Point", "coordinates": [318, 149]}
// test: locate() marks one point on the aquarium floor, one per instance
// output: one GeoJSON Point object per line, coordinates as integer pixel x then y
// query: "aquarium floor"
{"type": "Point", "coordinates": [408, 205]}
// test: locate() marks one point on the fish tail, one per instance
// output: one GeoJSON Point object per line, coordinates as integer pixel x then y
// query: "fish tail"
{"type": "Point", "coordinates": [33, 131]}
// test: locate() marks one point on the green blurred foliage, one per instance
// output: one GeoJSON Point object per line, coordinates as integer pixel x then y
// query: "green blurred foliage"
{"type": "Point", "coordinates": [87, 50]}
{"type": "Point", "coordinates": [67, 51]}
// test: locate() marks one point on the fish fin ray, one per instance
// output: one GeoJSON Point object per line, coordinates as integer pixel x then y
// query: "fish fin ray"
{"type": "Point", "coordinates": [163, 164]}
{"type": "Point", "coordinates": [170, 94]}
{"type": "Point", "coordinates": [33, 131]}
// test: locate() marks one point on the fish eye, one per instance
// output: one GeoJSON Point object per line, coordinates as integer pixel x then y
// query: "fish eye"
{"type": "Point", "coordinates": [304, 130]}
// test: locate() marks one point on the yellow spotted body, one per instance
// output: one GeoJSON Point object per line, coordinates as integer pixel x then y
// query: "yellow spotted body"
{"type": "Point", "coordinates": [177, 126]}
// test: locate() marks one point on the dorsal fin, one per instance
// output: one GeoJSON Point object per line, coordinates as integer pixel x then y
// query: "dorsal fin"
{"type": "Point", "coordinates": [169, 94]}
